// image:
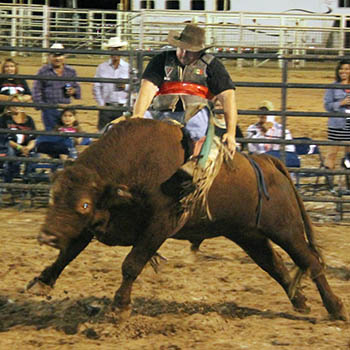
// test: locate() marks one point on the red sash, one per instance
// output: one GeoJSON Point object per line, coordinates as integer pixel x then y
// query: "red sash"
{"type": "Point", "coordinates": [181, 88]}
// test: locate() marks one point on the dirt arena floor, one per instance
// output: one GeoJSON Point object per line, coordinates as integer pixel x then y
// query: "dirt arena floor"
{"type": "Point", "coordinates": [218, 299]}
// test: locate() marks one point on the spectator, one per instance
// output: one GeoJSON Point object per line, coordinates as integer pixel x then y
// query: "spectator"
{"type": "Point", "coordinates": [12, 86]}
{"type": "Point", "coordinates": [267, 127]}
{"type": "Point", "coordinates": [338, 100]}
{"type": "Point", "coordinates": [60, 146]}
{"type": "Point", "coordinates": [220, 125]}
{"type": "Point", "coordinates": [55, 91]}
{"type": "Point", "coordinates": [111, 94]}
{"type": "Point", "coordinates": [258, 131]}
{"type": "Point", "coordinates": [19, 145]}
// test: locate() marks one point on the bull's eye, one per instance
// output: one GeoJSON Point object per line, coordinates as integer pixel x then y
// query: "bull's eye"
{"type": "Point", "coordinates": [84, 206]}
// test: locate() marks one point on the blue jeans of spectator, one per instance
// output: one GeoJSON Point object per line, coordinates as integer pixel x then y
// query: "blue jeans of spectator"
{"type": "Point", "coordinates": [11, 169]}
{"type": "Point", "coordinates": [56, 145]}
{"type": "Point", "coordinates": [50, 118]}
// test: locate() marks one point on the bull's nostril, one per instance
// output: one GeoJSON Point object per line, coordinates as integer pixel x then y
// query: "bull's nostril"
{"type": "Point", "coordinates": [98, 223]}
{"type": "Point", "coordinates": [47, 238]}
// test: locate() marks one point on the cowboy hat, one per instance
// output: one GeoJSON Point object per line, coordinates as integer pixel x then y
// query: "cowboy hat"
{"type": "Point", "coordinates": [59, 47]}
{"type": "Point", "coordinates": [116, 42]}
{"type": "Point", "coordinates": [192, 38]}
{"type": "Point", "coordinates": [267, 104]}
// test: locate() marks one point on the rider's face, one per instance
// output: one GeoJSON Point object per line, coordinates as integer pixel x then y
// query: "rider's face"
{"type": "Point", "coordinates": [186, 57]}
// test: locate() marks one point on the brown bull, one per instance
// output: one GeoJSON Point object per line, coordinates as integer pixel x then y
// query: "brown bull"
{"type": "Point", "coordinates": [113, 192]}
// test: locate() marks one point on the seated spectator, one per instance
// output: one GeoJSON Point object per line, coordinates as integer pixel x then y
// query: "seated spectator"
{"type": "Point", "coordinates": [275, 132]}
{"type": "Point", "coordinates": [19, 145]}
{"type": "Point", "coordinates": [12, 86]}
{"type": "Point", "coordinates": [60, 146]}
{"type": "Point", "coordinates": [257, 131]}
{"type": "Point", "coordinates": [267, 127]}
{"type": "Point", "coordinates": [220, 125]}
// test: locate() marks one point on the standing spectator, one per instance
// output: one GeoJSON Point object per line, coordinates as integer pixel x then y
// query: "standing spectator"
{"type": "Point", "coordinates": [12, 86]}
{"type": "Point", "coordinates": [55, 91]}
{"type": "Point", "coordinates": [19, 145]}
{"type": "Point", "coordinates": [111, 94]}
{"type": "Point", "coordinates": [338, 100]}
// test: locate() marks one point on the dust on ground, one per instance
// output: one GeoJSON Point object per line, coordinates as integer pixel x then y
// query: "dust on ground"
{"type": "Point", "coordinates": [216, 299]}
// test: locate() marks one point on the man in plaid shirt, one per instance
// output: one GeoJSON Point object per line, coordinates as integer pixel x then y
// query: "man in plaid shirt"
{"type": "Point", "coordinates": [54, 91]}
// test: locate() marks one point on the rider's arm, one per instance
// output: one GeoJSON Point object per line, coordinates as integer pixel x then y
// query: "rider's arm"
{"type": "Point", "coordinates": [144, 98]}
{"type": "Point", "coordinates": [228, 101]}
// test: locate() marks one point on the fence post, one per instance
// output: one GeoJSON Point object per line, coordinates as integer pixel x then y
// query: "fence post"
{"type": "Point", "coordinates": [46, 31]}
{"type": "Point", "coordinates": [14, 30]}
{"type": "Point", "coordinates": [91, 29]}
{"type": "Point", "coordinates": [142, 32]}
{"type": "Point", "coordinates": [342, 34]}
{"type": "Point", "coordinates": [240, 60]}
{"type": "Point", "coordinates": [284, 107]}
{"type": "Point", "coordinates": [281, 43]}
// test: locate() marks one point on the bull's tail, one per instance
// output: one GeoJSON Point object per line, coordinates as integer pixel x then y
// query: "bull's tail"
{"type": "Point", "coordinates": [308, 228]}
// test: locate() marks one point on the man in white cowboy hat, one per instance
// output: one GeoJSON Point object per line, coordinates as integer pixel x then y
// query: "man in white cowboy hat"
{"type": "Point", "coordinates": [181, 82]}
{"type": "Point", "coordinates": [111, 94]}
{"type": "Point", "coordinates": [55, 91]}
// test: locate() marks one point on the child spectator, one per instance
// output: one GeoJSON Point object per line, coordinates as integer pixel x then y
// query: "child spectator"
{"type": "Point", "coordinates": [60, 146]}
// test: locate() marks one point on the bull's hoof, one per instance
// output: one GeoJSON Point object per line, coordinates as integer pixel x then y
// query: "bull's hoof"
{"type": "Point", "coordinates": [340, 315]}
{"type": "Point", "coordinates": [155, 261]}
{"type": "Point", "coordinates": [299, 303]}
{"type": "Point", "coordinates": [37, 287]}
{"type": "Point", "coordinates": [305, 310]}
{"type": "Point", "coordinates": [119, 315]}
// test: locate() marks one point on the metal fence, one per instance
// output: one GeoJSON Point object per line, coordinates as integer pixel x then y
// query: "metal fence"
{"type": "Point", "coordinates": [40, 26]}
{"type": "Point", "coordinates": [138, 58]}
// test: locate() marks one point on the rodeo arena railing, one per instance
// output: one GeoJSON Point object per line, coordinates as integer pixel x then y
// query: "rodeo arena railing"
{"type": "Point", "coordinates": [36, 42]}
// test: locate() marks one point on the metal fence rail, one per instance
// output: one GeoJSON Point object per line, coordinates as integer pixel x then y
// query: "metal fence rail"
{"type": "Point", "coordinates": [138, 61]}
{"type": "Point", "coordinates": [40, 26]}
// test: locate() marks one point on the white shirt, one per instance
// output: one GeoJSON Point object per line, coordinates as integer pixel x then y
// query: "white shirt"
{"type": "Point", "coordinates": [254, 132]}
{"type": "Point", "coordinates": [109, 92]}
{"type": "Point", "coordinates": [275, 132]}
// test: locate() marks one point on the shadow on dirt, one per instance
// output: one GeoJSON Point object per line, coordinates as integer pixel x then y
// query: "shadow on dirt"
{"type": "Point", "coordinates": [341, 273]}
{"type": "Point", "coordinates": [66, 315]}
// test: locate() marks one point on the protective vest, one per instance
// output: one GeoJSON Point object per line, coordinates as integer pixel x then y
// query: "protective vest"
{"type": "Point", "coordinates": [188, 84]}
